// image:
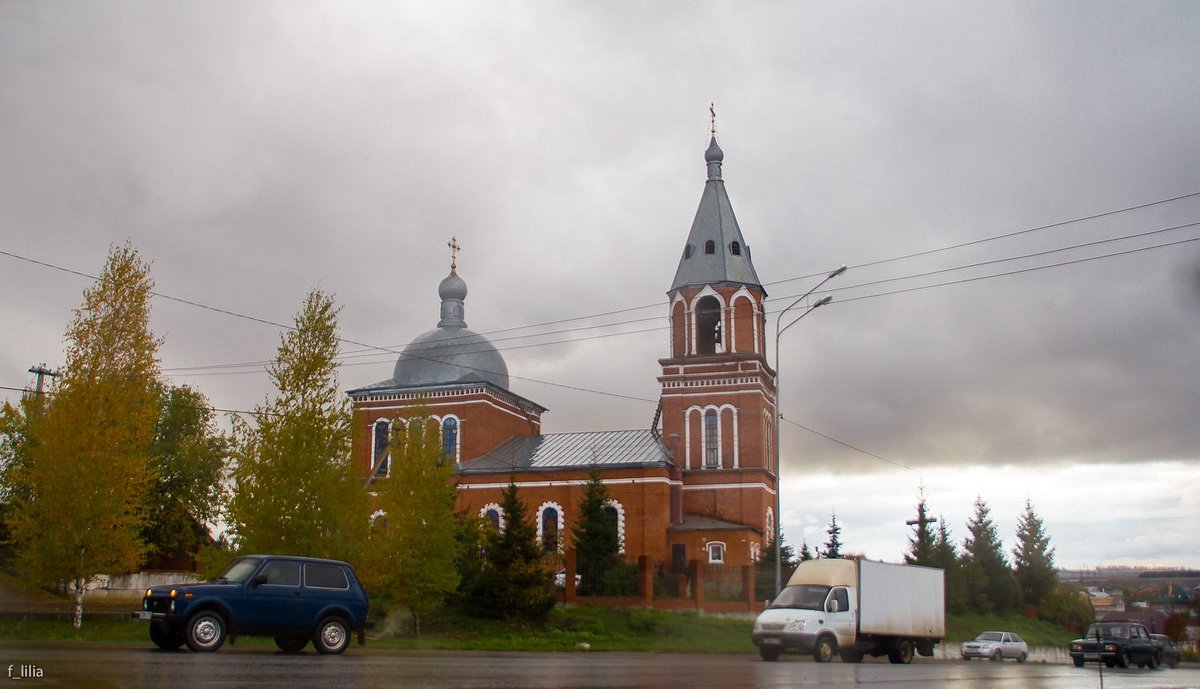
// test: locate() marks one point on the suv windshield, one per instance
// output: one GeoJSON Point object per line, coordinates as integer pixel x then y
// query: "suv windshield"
{"type": "Point", "coordinates": [804, 596]}
{"type": "Point", "coordinates": [239, 570]}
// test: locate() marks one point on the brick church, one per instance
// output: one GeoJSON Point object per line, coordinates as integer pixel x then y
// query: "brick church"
{"type": "Point", "coordinates": [700, 487]}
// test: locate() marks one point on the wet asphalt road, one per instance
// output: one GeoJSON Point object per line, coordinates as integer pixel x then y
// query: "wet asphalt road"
{"type": "Point", "coordinates": [63, 664]}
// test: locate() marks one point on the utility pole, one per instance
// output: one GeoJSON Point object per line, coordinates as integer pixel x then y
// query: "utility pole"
{"type": "Point", "coordinates": [41, 372]}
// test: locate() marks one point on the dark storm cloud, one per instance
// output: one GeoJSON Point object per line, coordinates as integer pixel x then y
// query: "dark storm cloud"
{"type": "Point", "coordinates": [254, 151]}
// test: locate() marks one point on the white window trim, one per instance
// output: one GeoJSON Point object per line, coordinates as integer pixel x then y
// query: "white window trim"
{"type": "Point", "coordinates": [687, 432]}
{"type": "Point", "coordinates": [620, 523]}
{"type": "Point", "coordinates": [746, 294]}
{"type": "Point", "coordinates": [391, 426]}
{"type": "Point", "coordinates": [457, 439]}
{"type": "Point", "coordinates": [499, 510]}
{"type": "Point", "coordinates": [708, 291]}
{"type": "Point", "coordinates": [561, 523]}
{"type": "Point", "coordinates": [710, 547]}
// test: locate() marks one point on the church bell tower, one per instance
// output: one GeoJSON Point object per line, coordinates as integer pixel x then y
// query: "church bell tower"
{"type": "Point", "coordinates": [718, 391]}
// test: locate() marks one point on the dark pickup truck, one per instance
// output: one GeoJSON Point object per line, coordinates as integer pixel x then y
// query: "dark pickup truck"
{"type": "Point", "coordinates": [1116, 644]}
{"type": "Point", "coordinates": [294, 599]}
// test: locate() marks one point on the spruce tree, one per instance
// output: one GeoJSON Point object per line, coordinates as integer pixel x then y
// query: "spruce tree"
{"type": "Point", "coordinates": [921, 543]}
{"type": "Point", "coordinates": [833, 547]}
{"type": "Point", "coordinates": [806, 553]}
{"type": "Point", "coordinates": [513, 584]}
{"type": "Point", "coordinates": [990, 582]}
{"type": "Point", "coordinates": [295, 490]}
{"type": "Point", "coordinates": [945, 557]}
{"type": "Point", "coordinates": [595, 537]}
{"type": "Point", "coordinates": [1033, 558]}
{"type": "Point", "coordinates": [764, 569]}
{"type": "Point", "coordinates": [84, 473]}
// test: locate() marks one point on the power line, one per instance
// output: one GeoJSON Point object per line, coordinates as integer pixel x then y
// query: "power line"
{"type": "Point", "coordinates": [376, 352]}
{"type": "Point", "coordinates": [848, 445]}
{"type": "Point", "coordinates": [1007, 235]}
{"type": "Point", "coordinates": [1018, 271]}
{"type": "Point", "coordinates": [390, 349]}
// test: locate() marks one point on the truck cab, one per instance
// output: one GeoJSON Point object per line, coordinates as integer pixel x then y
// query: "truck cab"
{"type": "Point", "coordinates": [814, 617]}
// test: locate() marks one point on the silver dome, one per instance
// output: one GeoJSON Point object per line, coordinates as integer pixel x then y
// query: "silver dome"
{"type": "Point", "coordinates": [450, 355]}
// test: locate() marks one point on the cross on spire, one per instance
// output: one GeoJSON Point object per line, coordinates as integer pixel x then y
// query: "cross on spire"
{"type": "Point", "coordinates": [712, 119]}
{"type": "Point", "coordinates": [454, 249]}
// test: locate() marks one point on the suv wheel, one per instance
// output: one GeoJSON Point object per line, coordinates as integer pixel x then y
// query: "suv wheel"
{"type": "Point", "coordinates": [291, 644]}
{"type": "Point", "coordinates": [205, 631]}
{"type": "Point", "coordinates": [332, 635]}
{"type": "Point", "coordinates": [166, 639]}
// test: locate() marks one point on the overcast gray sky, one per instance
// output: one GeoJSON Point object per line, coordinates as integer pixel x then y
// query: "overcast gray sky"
{"type": "Point", "coordinates": [254, 151]}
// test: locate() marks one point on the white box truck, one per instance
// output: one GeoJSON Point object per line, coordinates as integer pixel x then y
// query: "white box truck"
{"type": "Point", "coordinates": [855, 607]}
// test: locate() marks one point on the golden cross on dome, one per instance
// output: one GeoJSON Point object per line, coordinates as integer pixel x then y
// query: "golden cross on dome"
{"type": "Point", "coordinates": [454, 249]}
{"type": "Point", "coordinates": [712, 118]}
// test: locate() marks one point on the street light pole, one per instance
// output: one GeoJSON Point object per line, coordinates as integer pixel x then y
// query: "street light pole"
{"type": "Point", "coordinates": [779, 414]}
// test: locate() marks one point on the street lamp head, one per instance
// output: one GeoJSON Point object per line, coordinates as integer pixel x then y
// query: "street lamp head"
{"type": "Point", "coordinates": [837, 272]}
{"type": "Point", "coordinates": [823, 301]}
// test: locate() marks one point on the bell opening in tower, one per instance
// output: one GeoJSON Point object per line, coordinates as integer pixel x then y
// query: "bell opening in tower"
{"type": "Point", "coordinates": [708, 325]}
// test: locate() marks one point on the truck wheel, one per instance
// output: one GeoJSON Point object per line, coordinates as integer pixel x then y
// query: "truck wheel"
{"type": "Point", "coordinates": [1124, 660]}
{"type": "Point", "coordinates": [1078, 662]}
{"type": "Point", "coordinates": [1152, 662]}
{"type": "Point", "coordinates": [769, 654]}
{"type": "Point", "coordinates": [824, 650]}
{"type": "Point", "coordinates": [205, 631]}
{"type": "Point", "coordinates": [903, 653]}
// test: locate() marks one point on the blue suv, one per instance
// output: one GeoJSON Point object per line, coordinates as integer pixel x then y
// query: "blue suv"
{"type": "Point", "coordinates": [293, 599]}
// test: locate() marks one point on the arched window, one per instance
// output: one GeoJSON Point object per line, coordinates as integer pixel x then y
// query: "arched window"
{"type": "Point", "coordinates": [708, 325]}
{"type": "Point", "coordinates": [687, 252]}
{"type": "Point", "coordinates": [450, 439]}
{"type": "Point", "coordinates": [710, 247]}
{"type": "Point", "coordinates": [616, 515]}
{"type": "Point", "coordinates": [735, 249]}
{"type": "Point", "coordinates": [550, 530]}
{"type": "Point", "coordinates": [712, 457]}
{"type": "Point", "coordinates": [379, 458]}
{"type": "Point", "coordinates": [493, 514]}
{"type": "Point", "coordinates": [768, 443]}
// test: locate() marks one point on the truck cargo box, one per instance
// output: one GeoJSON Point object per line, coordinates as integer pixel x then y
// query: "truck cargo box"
{"type": "Point", "coordinates": [901, 600]}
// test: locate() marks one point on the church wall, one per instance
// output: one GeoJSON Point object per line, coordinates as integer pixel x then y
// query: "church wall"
{"type": "Point", "coordinates": [484, 422]}
{"type": "Point", "coordinates": [738, 544]}
{"type": "Point", "coordinates": [643, 495]}
{"type": "Point", "coordinates": [739, 498]}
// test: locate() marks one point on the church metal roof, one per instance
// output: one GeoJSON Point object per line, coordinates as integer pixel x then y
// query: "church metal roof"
{"type": "Point", "coordinates": [607, 449]}
{"type": "Point", "coordinates": [715, 222]}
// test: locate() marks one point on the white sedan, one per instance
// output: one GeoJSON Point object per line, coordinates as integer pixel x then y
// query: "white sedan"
{"type": "Point", "coordinates": [996, 646]}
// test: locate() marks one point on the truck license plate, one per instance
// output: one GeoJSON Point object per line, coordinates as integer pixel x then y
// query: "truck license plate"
{"type": "Point", "coordinates": [144, 615]}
